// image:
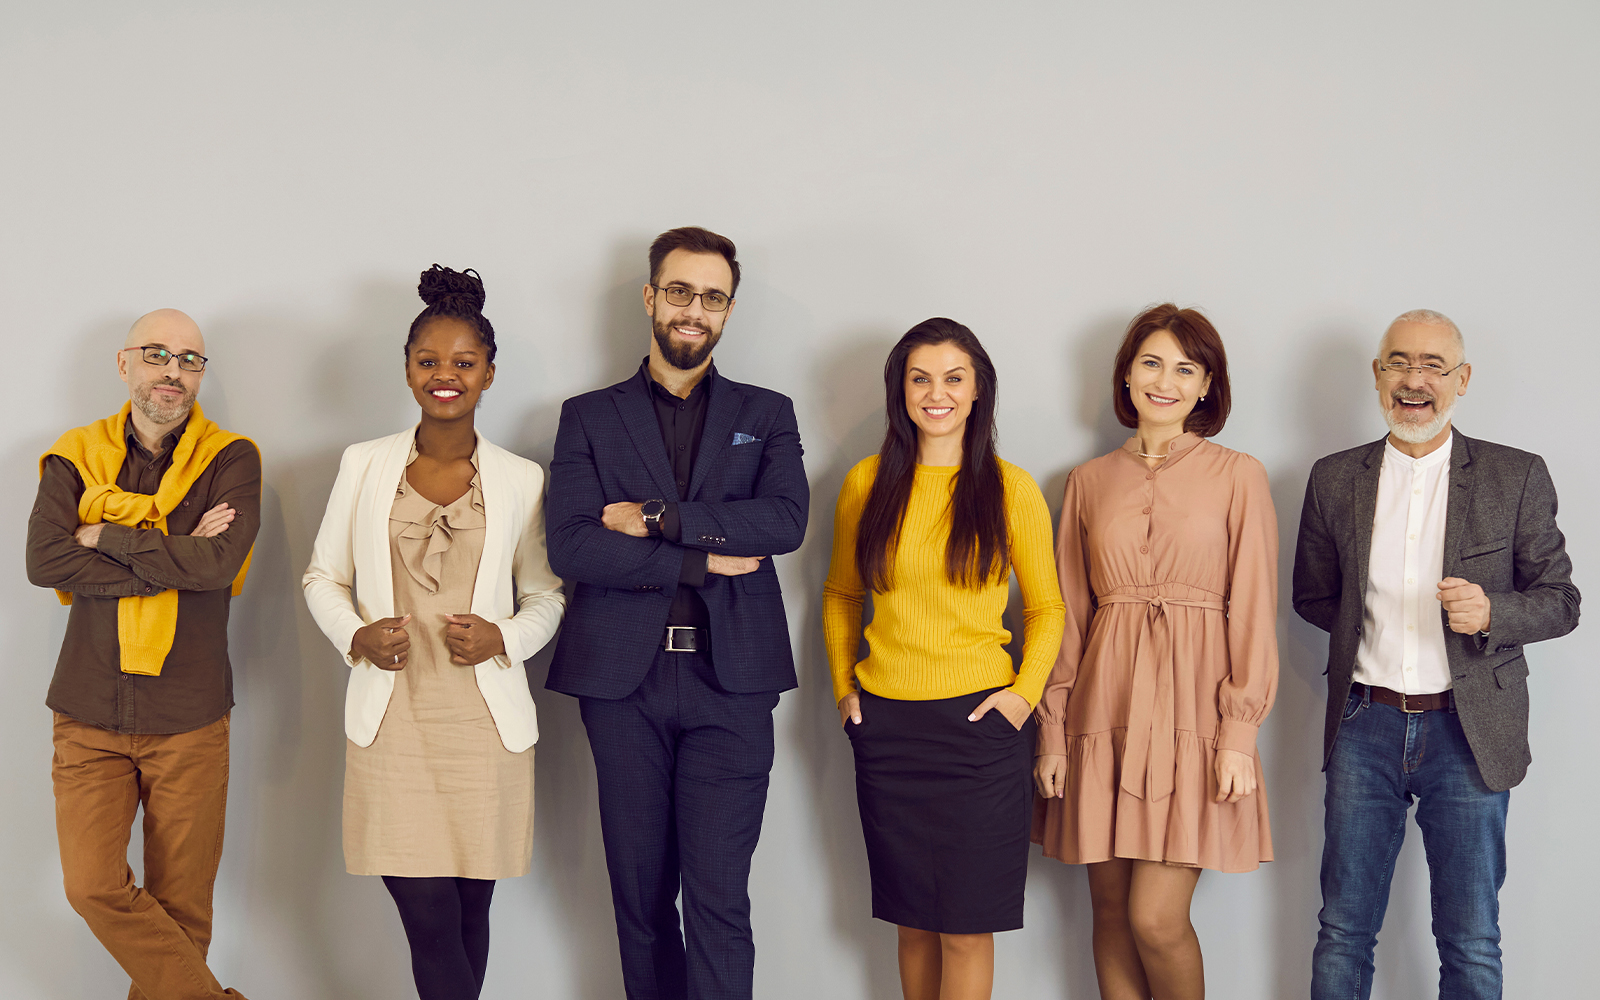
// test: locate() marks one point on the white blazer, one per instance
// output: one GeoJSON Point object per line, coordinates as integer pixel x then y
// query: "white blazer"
{"type": "Point", "coordinates": [514, 589]}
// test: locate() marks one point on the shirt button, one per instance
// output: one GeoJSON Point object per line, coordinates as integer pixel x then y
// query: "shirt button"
{"type": "Point", "coordinates": [1411, 582]}
{"type": "Point", "coordinates": [1147, 510]}
{"type": "Point", "coordinates": [680, 447]}
{"type": "Point", "coordinates": [1151, 475]}
{"type": "Point", "coordinates": [1418, 492]}
{"type": "Point", "coordinates": [680, 484]}
{"type": "Point", "coordinates": [1411, 628]}
{"type": "Point", "coordinates": [1144, 548]}
{"type": "Point", "coordinates": [1412, 537]}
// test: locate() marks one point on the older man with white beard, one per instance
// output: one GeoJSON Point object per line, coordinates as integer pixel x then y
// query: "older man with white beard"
{"type": "Point", "coordinates": [1431, 559]}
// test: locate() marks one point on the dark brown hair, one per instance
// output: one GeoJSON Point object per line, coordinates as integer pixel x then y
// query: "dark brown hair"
{"type": "Point", "coordinates": [456, 295]}
{"type": "Point", "coordinates": [1200, 342]}
{"type": "Point", "coordinates": [977, 549]}
{"type": "Point", "coordinates": [695, 240]}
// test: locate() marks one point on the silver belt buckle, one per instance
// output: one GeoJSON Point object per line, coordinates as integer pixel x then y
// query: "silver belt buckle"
{"type": "Point", "coordinates": [672, 639]}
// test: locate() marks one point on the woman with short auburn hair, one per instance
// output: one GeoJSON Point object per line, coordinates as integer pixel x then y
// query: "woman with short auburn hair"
{"type": "Point", "coordinates": [1147, 767]}
{"type": "Point", "coordinates": [939, 720]}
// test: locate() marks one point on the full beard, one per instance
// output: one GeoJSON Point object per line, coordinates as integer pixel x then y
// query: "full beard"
{"type": "Point", "coordinates": [684, 357]}
{"type": "Point", "coordinates": [158, 412]}
{"type": "Point", "coordinates": [1413, 431]}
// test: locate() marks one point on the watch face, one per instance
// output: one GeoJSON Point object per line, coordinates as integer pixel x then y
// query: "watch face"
{"type": "Point", "coordinates": [653, 508]}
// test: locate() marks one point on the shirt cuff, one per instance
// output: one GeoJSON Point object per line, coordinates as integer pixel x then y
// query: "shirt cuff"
{"type": "Point", "coordinates": [1235, 735]}
{"type": "Point", "coordinates": [114, 540]}
{"type": "Point", "coordinates": [1050, 740]}
{"type": "Point", "coordinates": [671, 527]}
{"type": "Point", "coordinates": [693, 572]}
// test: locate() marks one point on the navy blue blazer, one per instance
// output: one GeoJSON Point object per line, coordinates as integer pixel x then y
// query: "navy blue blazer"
{"type": "Point", "coordinates": [748, 496]}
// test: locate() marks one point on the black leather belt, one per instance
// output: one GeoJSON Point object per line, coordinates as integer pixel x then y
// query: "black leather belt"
{"type": "Point", "coordinates": [1411, 704]}
{"type": "Point", "coordinates": [686, 639]}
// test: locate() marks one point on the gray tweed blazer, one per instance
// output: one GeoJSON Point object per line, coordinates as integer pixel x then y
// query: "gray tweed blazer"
{"type": "Point", "coordinates": [1500, 533]}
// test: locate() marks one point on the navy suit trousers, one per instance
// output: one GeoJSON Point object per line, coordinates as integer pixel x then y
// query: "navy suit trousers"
{"type": "Point", "coordinates": [682, 768]}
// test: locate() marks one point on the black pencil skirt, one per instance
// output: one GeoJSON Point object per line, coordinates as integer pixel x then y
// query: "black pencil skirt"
{"type": "Point", "coordinates": [946, 807]}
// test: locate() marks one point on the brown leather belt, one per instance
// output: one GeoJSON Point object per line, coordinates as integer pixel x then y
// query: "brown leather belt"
{"type": "Point", "coordinates": [1411, 703]}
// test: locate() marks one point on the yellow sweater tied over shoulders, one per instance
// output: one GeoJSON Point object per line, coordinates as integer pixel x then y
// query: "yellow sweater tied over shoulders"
{"type": "Point", "coordinates": [145, 625]}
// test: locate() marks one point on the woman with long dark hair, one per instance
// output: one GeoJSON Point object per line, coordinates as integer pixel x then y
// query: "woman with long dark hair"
{"type": "Point", "coordinates": [429, 576]}
{"type": "Point", "coordinates": [1147, 769]}
{"type": "Point", "coordinates": [938, 718]}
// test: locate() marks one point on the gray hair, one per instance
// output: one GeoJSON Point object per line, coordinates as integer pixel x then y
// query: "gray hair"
{"type": "Point", "coordinates": [1430, 318]}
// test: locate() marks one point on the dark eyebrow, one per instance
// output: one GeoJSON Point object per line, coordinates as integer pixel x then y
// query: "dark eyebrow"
{"type": "Point", "coordinates": [952, 371]}
{"type": "Point", "coordinates": [706, 291]}
{"type": "Point", "coordinates": [1406, 357]}
{"type": "Point", "coordinates": [1180, 361]}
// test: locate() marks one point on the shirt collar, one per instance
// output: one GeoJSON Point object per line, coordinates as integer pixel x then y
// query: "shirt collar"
{"type": "Point", "coordinates": [651, 385]}
{"type": "Point", "coordinates": [167, 442]}
{"type": "Point", "coordinates": [1437, 456]}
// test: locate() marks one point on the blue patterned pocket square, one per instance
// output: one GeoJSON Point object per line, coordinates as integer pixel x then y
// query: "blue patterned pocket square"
{"type": "Point", "coordinates": [740, 437]}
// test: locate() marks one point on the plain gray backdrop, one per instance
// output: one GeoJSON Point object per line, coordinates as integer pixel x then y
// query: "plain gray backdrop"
{"type": "Point", "coordinates": [1039, 171]}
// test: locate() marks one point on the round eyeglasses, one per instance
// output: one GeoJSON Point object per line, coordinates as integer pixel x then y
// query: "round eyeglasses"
{"type": "Point", "coordinates": [161, 357]}
{"type": "Point", "coordinates": [678, 295]}
{"type": "Point", "coordinates": [1394, 371]}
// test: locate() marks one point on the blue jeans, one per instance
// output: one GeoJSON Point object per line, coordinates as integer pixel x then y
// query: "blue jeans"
{"type": "Point", "coordinates": [1384, 757]}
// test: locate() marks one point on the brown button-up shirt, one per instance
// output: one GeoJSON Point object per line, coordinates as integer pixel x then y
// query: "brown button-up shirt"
{"type": "Point", "coordinates": [195, 687]}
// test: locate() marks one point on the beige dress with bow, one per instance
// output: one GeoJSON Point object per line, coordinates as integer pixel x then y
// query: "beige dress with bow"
{"type": "Point", "coordinates": [437, 793]}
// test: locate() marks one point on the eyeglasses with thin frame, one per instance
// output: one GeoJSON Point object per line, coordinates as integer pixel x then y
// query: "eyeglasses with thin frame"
{"type": "Point", "coordinates": [678, 295]}
{"type": "Point", "coordinates": [1394, 371]}
{"type": "Point", "coordinates": [161, 357]}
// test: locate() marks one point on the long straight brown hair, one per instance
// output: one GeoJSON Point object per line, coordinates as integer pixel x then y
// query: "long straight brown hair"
{"type": "Point", "coordinates": [978, 549]}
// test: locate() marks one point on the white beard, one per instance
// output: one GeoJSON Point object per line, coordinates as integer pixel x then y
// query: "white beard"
{"type": "Point", "coordinates": [1415, 433]}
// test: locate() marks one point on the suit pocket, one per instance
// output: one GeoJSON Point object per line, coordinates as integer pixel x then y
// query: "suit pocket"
{"type": "Point", "coordinates": [1511, 673]}
{"type": "Point", "coordinates": [1484, 548]}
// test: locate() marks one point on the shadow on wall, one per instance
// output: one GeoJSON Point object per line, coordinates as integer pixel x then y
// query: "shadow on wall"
{"type": "Point", "coordinates": [854, 419]}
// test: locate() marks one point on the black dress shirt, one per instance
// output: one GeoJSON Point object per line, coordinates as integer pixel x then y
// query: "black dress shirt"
{"type": "Point", "coordinates": [682, 421]}
{"type": "Point", "coordinates": [195, 687]}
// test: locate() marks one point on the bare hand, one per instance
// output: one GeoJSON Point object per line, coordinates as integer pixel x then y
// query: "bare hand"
{"type": "Point", "coordinates": [472, 639]}
{"type": "Point", "coordinates": [1236, 775]}
{"type": "Point", "coordinates": [850, 708]}
{"type": "Point", "coordinates": [1050, 775]}
{"type": "Point", "coordinates": [732, 565]}
{"type": "Point", "coordinates": [88, 535]}
{"type": "Point", "coordinates": [384, 643]}
{"type": "Point", "coordinates": [627, 518]}
{"type": "Point", "coordinates": [214, 521]}
{"type": "Point", "coordinates": [1008, 703]}
{"type": "Point", "coordinates": [1467, 604]}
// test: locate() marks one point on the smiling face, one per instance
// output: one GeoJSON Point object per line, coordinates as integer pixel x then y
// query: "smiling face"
{"type": "Point", "coordinates": [1417, 407]}
{"type": "Point", "coordinates": [940, 386]}
{"type": "Point", "coordinates": [1163, 383]}
{"type": "Point", "coordinates": [684, 336]}
{"type": "Point", "coordinates": [448, 368]}
{"type": "Point", "coordinates": [163, 395]}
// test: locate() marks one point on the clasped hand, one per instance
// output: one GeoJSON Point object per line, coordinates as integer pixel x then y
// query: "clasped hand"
{"type": "Point", "coordinates": [1236, 775]}
{"type": "Point", "coordinates": [1466, 603]}
{"type": "Point", "coordinates": [387, 645]}
{"type": "Point", "coordinates": [628, 518]}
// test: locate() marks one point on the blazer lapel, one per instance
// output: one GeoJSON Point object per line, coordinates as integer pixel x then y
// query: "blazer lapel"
{"type": "Point", "coordinates": [1459, 504]}
{"type": "Point", "coordinates": [498, 514]}
{"type": "Point", "coordinates": [379, 501]}
{"type": "Point", "coordinates": [1363, 508]}
{"type": "Point", "coordinates": [639, 417]}
{"type": "Point", "coordinates": [721, 410]}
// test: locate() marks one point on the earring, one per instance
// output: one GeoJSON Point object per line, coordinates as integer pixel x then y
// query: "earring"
{"type": "Point", "coordinates": [1202, 399]}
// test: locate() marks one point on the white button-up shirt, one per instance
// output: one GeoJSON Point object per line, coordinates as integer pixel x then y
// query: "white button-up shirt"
{"type": "Point", "coordinates": [1402, 633]}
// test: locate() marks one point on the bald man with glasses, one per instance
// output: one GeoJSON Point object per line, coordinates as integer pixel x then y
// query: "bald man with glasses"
{"type": "Point", "coordinates": [1431, 559]}
{"type": "Point", "coordinates": [144, 524]}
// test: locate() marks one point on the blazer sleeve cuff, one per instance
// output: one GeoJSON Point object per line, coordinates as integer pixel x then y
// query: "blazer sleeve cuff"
{"type": "Point", "coordinates": [1235, 735]}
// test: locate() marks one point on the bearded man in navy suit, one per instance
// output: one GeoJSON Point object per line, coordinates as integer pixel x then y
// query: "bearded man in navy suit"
{"type": "Point", "coordinates": [669, 493]}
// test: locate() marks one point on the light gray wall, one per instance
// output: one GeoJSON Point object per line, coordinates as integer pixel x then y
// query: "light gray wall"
{"type": "Point", "coordinates": [1038, 171]}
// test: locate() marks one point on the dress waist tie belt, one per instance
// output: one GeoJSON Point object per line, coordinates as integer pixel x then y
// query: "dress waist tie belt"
{"type": "Point", "coordinates": [1148, 756]}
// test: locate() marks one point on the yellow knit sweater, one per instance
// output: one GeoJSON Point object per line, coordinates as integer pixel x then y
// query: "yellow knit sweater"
{"type": "Point", "coordinates": [930, 638]}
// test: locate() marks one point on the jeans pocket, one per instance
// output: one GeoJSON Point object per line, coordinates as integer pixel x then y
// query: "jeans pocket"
{"type": "Point", "coordinates": [1352, 705]}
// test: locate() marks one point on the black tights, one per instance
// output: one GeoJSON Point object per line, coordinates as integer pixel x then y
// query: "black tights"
{"type": "Point", "coordinates": [447, 924]}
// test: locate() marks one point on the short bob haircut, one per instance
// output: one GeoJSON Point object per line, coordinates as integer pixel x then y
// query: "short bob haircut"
{"type": "Point", "coordinates": [1200, 343]}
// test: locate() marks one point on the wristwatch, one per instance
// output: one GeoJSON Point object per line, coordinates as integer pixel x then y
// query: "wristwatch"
{"type": "Point", "coordinates": [652, 511]}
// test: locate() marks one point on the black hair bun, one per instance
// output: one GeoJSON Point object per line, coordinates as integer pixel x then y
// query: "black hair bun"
{"type": "Point", "coordinates": [441, 285]}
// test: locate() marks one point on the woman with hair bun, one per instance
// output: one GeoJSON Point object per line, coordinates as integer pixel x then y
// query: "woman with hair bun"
{"type": "Point", "coordinates": [1147, 767]}
{"type": "Point", "coordinates": [938, 719]}
{"type": "Point", "coordinates": [429, 577]}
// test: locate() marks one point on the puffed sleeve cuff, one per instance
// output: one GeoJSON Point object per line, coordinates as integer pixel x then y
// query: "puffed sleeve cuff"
{"type": "Point", "coordinates": [1050, 740]}
{"type": "Point", "coordinates": [1235, 735]}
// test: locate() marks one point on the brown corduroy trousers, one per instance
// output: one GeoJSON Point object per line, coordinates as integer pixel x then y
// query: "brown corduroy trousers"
{"type": "Point", "coordinates": [159, 933]}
